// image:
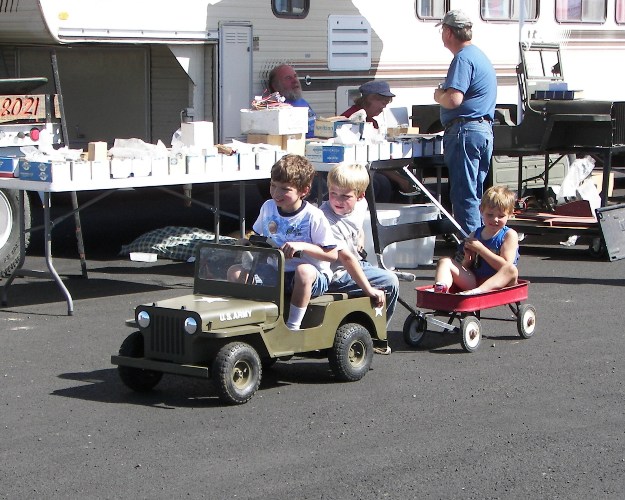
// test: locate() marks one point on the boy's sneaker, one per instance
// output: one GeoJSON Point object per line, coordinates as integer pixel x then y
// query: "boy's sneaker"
{"type": "Point", "coordinates": [382, 350]}
{"type": "Point", "coordinates": [440, 287]}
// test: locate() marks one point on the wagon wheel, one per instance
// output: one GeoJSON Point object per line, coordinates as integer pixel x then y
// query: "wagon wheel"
{"type": "Point", "coordinates": [471, 331]}
{"type": "Point", "coordinates": [526, 320]}
{"type": "Point", "coordinates": [414, 330]}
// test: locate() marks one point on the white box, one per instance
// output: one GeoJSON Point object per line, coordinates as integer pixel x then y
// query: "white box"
{"type": "Point", "coordinates": [141, 167]}
{"type": "Point", "coordinates": [196, 165]}
{"type": "Point", "coordinates": [247, 161]}
{"type": "Point", "coordinates": [265, 159]}
{"type": "Point", "coordinates": [385, 150]}
{"type": "Point", "coordinates": [100, 170]}
{"type": "Point", "coordinates": [361, 153]}
{"type": "Point", "coordinates": [198, 134]}
{"type": "Point", "coordinates": [396, 149]}
{"type": "Point", "coordinates": [230, 163]}
{"type": "Point", "coordinates": [177, 164]}
{"type": "Point", "coordinates": [121, 168]}
{"type": "Point", "coordinates": [212, 163]}
{"type": "Point", "coordinates": [403, 254]}
{"type": "Point", "coordinates": [373, 152]}
{"type": "Point", "coordinates": [81, 171]}
{"type": "Point", "coordinates": [97, 151]}
{"type": "Point", "coordinates": [160, 167]}
{"type": "Point", "coordinates": [278, 121]}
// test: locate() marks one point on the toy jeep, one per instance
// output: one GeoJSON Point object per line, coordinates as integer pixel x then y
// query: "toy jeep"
{"type": "Point", "coordinates": [228, 329]}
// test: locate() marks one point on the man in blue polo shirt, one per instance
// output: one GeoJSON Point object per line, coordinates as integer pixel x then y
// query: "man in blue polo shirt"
{"type": "Point", "coordinates": [467, 98]}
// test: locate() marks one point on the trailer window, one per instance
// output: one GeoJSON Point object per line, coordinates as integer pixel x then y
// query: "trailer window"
{"type": "Point", "coordinates": [432, 9]}
{"type": "Point", "coordinates": [620, 11]}
{"type": "Point", "coordinates": [581, 11]}
{"type": "Point", "coordinates": [290, 8]}
{"type": "Point", "coordinates": [504, 10]}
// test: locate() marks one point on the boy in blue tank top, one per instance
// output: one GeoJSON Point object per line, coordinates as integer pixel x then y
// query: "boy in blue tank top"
{"type": "Point", "coordinates": [491, 252]}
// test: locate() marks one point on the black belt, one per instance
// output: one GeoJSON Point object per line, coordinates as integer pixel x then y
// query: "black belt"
{"type": "Point", "coordinates": [465, 120]}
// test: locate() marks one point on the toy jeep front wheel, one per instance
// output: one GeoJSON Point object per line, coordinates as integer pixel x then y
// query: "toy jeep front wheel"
{"type": "Point", "coordinates": [350, 357]}
{"type": "Point", "coordinates": [237, 372]}
{"type": "Point", "coordinates": [135, 378]}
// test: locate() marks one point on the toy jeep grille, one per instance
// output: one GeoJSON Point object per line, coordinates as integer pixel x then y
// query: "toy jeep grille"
{"type": "Point", "coordinates": [166, 336]}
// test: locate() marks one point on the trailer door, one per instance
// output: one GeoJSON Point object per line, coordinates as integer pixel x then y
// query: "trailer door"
{"type": "Point", "coordinates": [235, 77]}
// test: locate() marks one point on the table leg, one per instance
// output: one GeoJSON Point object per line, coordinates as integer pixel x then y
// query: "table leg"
{"type": "Point", "coordinates": [48, 253]}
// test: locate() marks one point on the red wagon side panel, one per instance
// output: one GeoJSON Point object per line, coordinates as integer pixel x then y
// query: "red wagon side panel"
{"type": "Point", "coordinates": [428, 299]}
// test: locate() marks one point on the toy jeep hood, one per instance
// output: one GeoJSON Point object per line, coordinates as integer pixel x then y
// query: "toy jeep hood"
{"type": "Point", "coordinates": [216, 312]}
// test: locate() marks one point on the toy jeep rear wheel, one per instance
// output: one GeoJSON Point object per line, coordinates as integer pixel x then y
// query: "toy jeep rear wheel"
{"type": "Point", "coordinates": [350, 357]}
{"type": "Point", "coordinates": [237, 371]}
{"type": "Point", "coordinates": [135, 378]}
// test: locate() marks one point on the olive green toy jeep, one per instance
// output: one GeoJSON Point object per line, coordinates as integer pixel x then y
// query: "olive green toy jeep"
{"type": "Point", "coordinates": [228, 330]}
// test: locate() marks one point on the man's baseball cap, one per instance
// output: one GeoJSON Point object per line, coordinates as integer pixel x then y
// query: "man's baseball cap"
{"type": "Point", "coordinates": [456, 19]}
{"type": "Point", "coordinates": [376, 87]}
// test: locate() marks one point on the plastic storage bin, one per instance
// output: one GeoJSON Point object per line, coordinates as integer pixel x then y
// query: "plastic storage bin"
{"type": "Point", "coordinates": [408, 254]}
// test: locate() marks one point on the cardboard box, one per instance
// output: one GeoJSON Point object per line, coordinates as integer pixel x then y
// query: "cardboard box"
{"type": "Point", "coordinates": [230, 163]}
{"type": "Point", "coordinates": [292, 143]}
{"type": "Point", "coordinates": [393, 132]}
{"type": "Point", "coordinates": [177, 164]}
{"type": "Point", "coordinates": [330, 127]}
{"type": "Point", "coordinates": [97, 151]}
{"type": "Point", "coordinates": [81, 171]}
{"type": "Point", "coordinates": [198, 134]}
{"type": "Point", "coordinates": [597, 179]}
{"type": "Point", "coordinates": [276, 121]}
{"type": "Point", "coordinates": [247, 161]}
{"type": "Point", "coordinates": [9, 166]}
{"type": "Point", "coordinates": [265, 159]}
{"type": "Point", "coordinates": [160, 167]}
{"type": "Point", "coordinates": [212, 163]}
{"type": "Point", "coordinates": [100, 170]}
{"type": "Point", "coordinates": [121, 168]}
{"type": "Point", "coordinates": [196, 165]}
{"type": "Point", "coordinates": [141, 167]}
{"type": "Point", "coordinates": [335, 153]}
{"type": "Point", "coordinates": [44, 171]}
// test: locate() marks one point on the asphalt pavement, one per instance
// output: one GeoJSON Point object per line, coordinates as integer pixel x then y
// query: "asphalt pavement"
{"type": "Point", "coordinates": [535, 418]}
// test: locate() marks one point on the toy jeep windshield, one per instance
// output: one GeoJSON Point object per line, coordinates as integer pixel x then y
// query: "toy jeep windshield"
{"type": "Point", "coordinates": [233, 325]}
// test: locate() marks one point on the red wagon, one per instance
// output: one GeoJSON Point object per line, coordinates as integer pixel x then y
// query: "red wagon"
{"type": "Point", "coordinates": [467, 309]}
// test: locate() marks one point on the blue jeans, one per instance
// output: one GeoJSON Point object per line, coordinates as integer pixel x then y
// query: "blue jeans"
{"type": "Point", "coordinates": [468, 148]}
{"type": "Point", "coordinates": [379, 278]}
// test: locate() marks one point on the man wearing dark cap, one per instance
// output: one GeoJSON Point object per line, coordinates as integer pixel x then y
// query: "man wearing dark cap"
{"type": "Point", "coordinates": [467, 98]}
{"type": "Point", "coordinates": [374, 97]}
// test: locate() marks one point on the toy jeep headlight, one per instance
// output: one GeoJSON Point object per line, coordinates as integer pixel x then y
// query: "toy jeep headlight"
{"type": "Point", "coordinates": [143, 318]}
{"type": "Point", "coordinates": [190, 325]}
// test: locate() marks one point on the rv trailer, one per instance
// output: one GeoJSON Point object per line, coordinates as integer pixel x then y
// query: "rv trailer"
{"type": "Point", "coordinates": [138, 68]}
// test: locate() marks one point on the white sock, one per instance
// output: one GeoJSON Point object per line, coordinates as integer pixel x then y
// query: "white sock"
{"type": "Point", "coordinates": [296, 314]}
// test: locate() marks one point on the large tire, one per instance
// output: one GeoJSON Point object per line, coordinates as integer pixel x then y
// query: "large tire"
{"type": "Point", "coordinates": [237, 371]}
{"type": "Point", "coordinates": [10, 230]}
{"type": "Point", "coordinates": [136, 379]}
{"type": "Point", "coordinates": [350, 357]}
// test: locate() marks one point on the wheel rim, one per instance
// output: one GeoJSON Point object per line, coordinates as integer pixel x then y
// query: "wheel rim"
{"type": "Point", "coordinates": [529, 321]}
{"type": "Point", "coordinates": [417, 329]}
{"type": "Point", "coordinates": [241, 374]}
{"type": "Point", "coordinates": [357, 353]}
{"type": "Point", "coordinates": [6, 223]}
{"type": "Point", "coordinates": [471, 334]}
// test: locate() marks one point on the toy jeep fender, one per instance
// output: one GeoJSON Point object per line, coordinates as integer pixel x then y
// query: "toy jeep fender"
{"type": "Point", "coordinates": [233, 324]}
